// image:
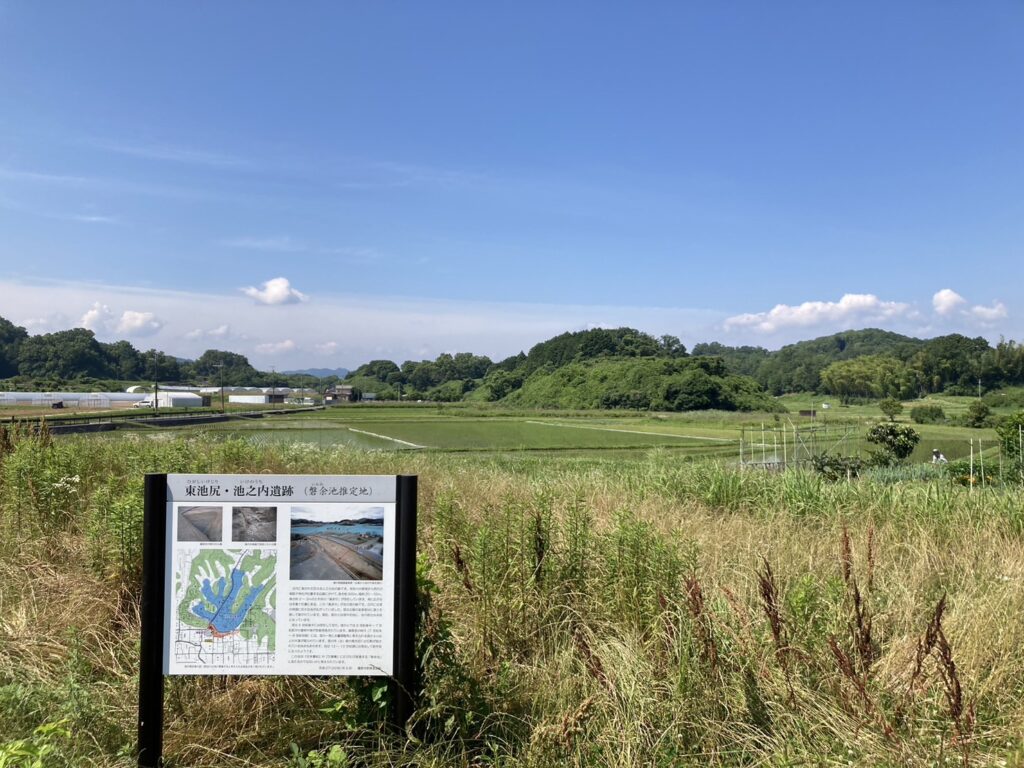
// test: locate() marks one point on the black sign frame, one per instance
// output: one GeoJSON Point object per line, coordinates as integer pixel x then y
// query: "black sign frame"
{"type": "Point", "coordinates": [154, 561]}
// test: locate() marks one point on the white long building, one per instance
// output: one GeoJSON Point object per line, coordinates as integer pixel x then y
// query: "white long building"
{"type": "Point", "coordinates": [74, 399]}
{"type": "Point", "coordinates": [103, 400]}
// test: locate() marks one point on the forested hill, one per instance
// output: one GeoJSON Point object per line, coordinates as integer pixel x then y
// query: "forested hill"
{"type": "Point", "coordinates": [599, 368]}
{"type": "Point", "coordinates": [797, 367]}
{"type": "Point", "coordinates": [642, 383]}
{"type": "Point", "coordinates": [889, 364]}
{"type": "Point", "coordinates": [75, 358]}
{"type": "Point", "coordinates": [598, 342]}
{"type": "Point", "coordinates": [575, 370]}
{"type": "Point", "coordinates": [602, 367]}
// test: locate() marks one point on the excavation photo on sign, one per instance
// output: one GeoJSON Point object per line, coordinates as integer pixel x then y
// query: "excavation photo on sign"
{"type": "Point", "coordinates": [337, 542]}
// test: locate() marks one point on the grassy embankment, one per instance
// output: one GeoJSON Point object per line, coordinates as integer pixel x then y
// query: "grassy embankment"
{"type": "Point", "coordinates": [581, 611]}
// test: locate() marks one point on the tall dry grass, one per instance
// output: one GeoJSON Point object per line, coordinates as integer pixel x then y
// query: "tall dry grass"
{"type": "Point", "coordinates": [575, 612]}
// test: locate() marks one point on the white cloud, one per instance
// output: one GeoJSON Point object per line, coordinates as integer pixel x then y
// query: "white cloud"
{"type": "Point", "coordinates": [947, 301]}
{"type": "Point", "coordinates": [48, 324]}
{"type": "Point", "coordinates": [991, 314]}
{"type": "Point", "coordinates": [134, 323]}
{"type": "Point", "coordinates": [220, 332]}
{"type": "Point", "coordinates": [97, 318]}
{"type": "Point", "coordinates": [276, 347]}
{"type": "Point", "coordinates": [406, 328]}
{"type": "Point", "coordinates": [101, 320]}
{"type": "Point", "coordinates": [276, 291]}
{"type": "Point", "coordinates": [851, 308]}
{"type": "Point", "coordinates": [375, 327]}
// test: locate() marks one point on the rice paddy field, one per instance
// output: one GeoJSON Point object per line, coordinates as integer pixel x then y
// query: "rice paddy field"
{"type": "Point", "coordinates": [454, 430]}
{"type": "Point", "coordinates": [595, 590]}
{"type": "Point", "coordinates": [460, 429]}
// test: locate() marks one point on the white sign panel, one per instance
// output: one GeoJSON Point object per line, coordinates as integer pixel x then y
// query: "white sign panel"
{"type": "Point", "coordinates": [280, 575]}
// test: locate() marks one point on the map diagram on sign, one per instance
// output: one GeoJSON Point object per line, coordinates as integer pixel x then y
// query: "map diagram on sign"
{"type": "Point", "coordinates": [225, 609]}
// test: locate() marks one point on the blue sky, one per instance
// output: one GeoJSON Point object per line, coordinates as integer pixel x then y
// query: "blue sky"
{"type": "Point", "coordinates": [429, 177]}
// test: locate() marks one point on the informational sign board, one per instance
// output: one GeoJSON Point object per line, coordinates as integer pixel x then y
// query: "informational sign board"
{"type": "Point", "coordinates": [276, 575]}
{"type": "Point", "coordinates": [280, 575]}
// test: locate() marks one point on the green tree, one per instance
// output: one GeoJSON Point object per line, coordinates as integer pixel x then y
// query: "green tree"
{"type": "Point", "coordinates": [696, 390]}
{"type": "Point", "coordinates": [978, 414]}
{"type": "Point", "coordinates": [798, 367]}
{"type": "Point", "coordinates": [501, 383]}
{"type": "Point", "coordinates": [470, 366]}
{"type": "Point", "coordinates": [124, 360]}
{"type": "Point", "coordinates": [745, 361]}
{"type": "Point", "coordinates": [377, 369]}
{"type": "Point", "coordinates": [157, 366]}
{"type": "Point", "coordinates": [423, 375]}
{"type": "Point", "coordinates": [671, 346]}
{"type": "Point", "coordinates": [896, 440]}
{"type": "Point", "coordinates": [891, 407]}
{"type": "Point", "coordinates": [951, 361]}
{"type": "Point", "coordinates": [11, 337]}
{"type": "Point", "coordinates": [64, 354]}
{"type": "Point", "coordinates": [217, 365]}
{"type": "Point", "coordinates": [1011, 435]}
{"type": "Point", "coordinates": [866, 376]}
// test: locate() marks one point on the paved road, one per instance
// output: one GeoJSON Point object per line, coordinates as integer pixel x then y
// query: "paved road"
{"type": "Point", "coordinates": [326, 557]}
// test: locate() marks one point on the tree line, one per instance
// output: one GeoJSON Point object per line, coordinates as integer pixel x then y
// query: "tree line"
{"type": "Point", "coordinates": [873, 363]}
{"type": "Point", "coordinates": [573, 369]}
{"type": "Point", "coordinates": [49, 360]}
{"type": "Point", "coordinates": [597, 368]}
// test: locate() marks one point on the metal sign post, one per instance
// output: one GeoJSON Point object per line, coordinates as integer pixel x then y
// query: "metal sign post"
{"type": "Point", "coordinates": [151, 655]}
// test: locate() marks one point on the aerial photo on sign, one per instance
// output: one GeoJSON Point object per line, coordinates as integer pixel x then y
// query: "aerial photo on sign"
{"type": "Point", "coordinates": [200, 523]}
{"type": "Point", "coordinates": [332, 542]}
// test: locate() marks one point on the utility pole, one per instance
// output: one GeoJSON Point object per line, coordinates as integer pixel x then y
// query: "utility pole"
{"type": "Point", "coordinates": [220, 370]}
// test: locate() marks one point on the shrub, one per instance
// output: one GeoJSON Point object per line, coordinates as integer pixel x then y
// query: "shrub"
{"type": "Point", "coordinates": [1009, 397]}
{"type": "Point", "coordinates": [927, 414]}
{"type": "Point", "coordinates": [978, 415]}
{"type": "Point", "coordinates": [896, 440]}
{"type": "Point", "coordinates": [1010, 430]}
{"type": "Point", "coordinates": [835, 468]}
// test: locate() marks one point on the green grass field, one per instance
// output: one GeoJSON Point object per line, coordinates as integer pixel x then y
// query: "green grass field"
{"type": "Point", "coordinates": [458, 429]}
{"type": "Point", "coordinates": [458, 433]}
{"type": "Point", "coordinates": [618, 608]}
